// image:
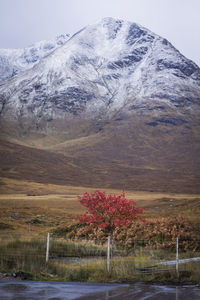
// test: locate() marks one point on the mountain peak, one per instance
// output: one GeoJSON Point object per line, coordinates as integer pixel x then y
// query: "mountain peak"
{"type": "Point", "coordinates": [110, 20]}
{"type": "Point", "coordinates": [107, 20]}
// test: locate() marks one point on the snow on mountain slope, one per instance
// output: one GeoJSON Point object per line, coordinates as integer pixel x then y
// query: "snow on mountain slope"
{"type": "Point", "coordinates": [15, 61]}
{"type": "Point", "coordinates": [106, 67]}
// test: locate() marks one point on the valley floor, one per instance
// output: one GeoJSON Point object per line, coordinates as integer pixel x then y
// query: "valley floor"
{"type": "Point", "coordinates": [46, 206]}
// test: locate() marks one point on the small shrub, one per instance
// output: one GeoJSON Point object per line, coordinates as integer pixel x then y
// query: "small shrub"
{"type": "Point", "coordinates": [37, 221]}
{"type": "Point", "coordinates": [4, 226]}
{"type": "Point", "coordinates": [159, 233]}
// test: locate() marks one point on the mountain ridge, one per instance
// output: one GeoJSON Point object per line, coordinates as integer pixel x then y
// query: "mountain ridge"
{"type": "Point", "coordinates": [15, 61]}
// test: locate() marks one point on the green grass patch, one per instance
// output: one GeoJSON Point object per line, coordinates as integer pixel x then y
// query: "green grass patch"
{"type": "Point", "coordinates": [28, 255]}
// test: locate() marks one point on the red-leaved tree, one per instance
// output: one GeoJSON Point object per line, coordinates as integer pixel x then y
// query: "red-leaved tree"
{"type": "Point", "coordinates": [108, 211]}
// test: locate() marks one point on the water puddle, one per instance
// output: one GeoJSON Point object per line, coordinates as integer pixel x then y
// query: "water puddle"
{"type": "Point", "coordinates": [32, 290]}
{"type": "Point", "coordinates": [78, 260]}
{"type": "Point", "coordinates": [180, 261]}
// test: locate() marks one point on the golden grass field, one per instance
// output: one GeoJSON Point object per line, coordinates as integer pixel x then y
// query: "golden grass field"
{"type": "Point", "coordinates": [21, 202]}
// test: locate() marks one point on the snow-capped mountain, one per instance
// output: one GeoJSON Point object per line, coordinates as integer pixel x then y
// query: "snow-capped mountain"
{"type": "Point", "coordinates": [106, 67]}
{"type": "Point", "coordinates": [114, 106]}
{"type": "Point", "coordinates": [15, 61]}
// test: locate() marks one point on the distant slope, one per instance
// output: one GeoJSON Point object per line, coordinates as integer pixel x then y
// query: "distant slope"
{"type": "Point", "coordinates": [119, 157]}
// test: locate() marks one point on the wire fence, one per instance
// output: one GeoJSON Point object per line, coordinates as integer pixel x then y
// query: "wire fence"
{"type": "Point", "coordinates": [141, 250]}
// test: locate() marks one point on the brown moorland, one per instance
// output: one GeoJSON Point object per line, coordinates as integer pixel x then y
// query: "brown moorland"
{"type": "Point", "coordinates": [47, 206]}
{"type": "Point", "coordinates": [126, 154]}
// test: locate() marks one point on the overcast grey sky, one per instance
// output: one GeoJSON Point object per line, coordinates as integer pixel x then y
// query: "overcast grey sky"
{"type": "Point", "coordinates": [23, 22]}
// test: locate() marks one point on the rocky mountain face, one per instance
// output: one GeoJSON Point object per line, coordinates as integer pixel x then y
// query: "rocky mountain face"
{"type": "Point", "coordinates": [15, 61]}
{"type": "Point", "coordinates": [116, 99]}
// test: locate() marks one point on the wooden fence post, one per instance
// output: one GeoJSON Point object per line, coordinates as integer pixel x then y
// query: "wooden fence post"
{"type": "Point", "coordinates": [112, 243]}
{"type": "Point", "coordinates": [47, 250]}
{"type": "Point", "coordinates": [108, 255]}
{"type": "Point", "coordinates": [177, 255]}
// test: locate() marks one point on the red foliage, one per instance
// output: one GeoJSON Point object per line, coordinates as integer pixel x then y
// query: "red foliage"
{"type": "Point", "coordinates": [108, 211]}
